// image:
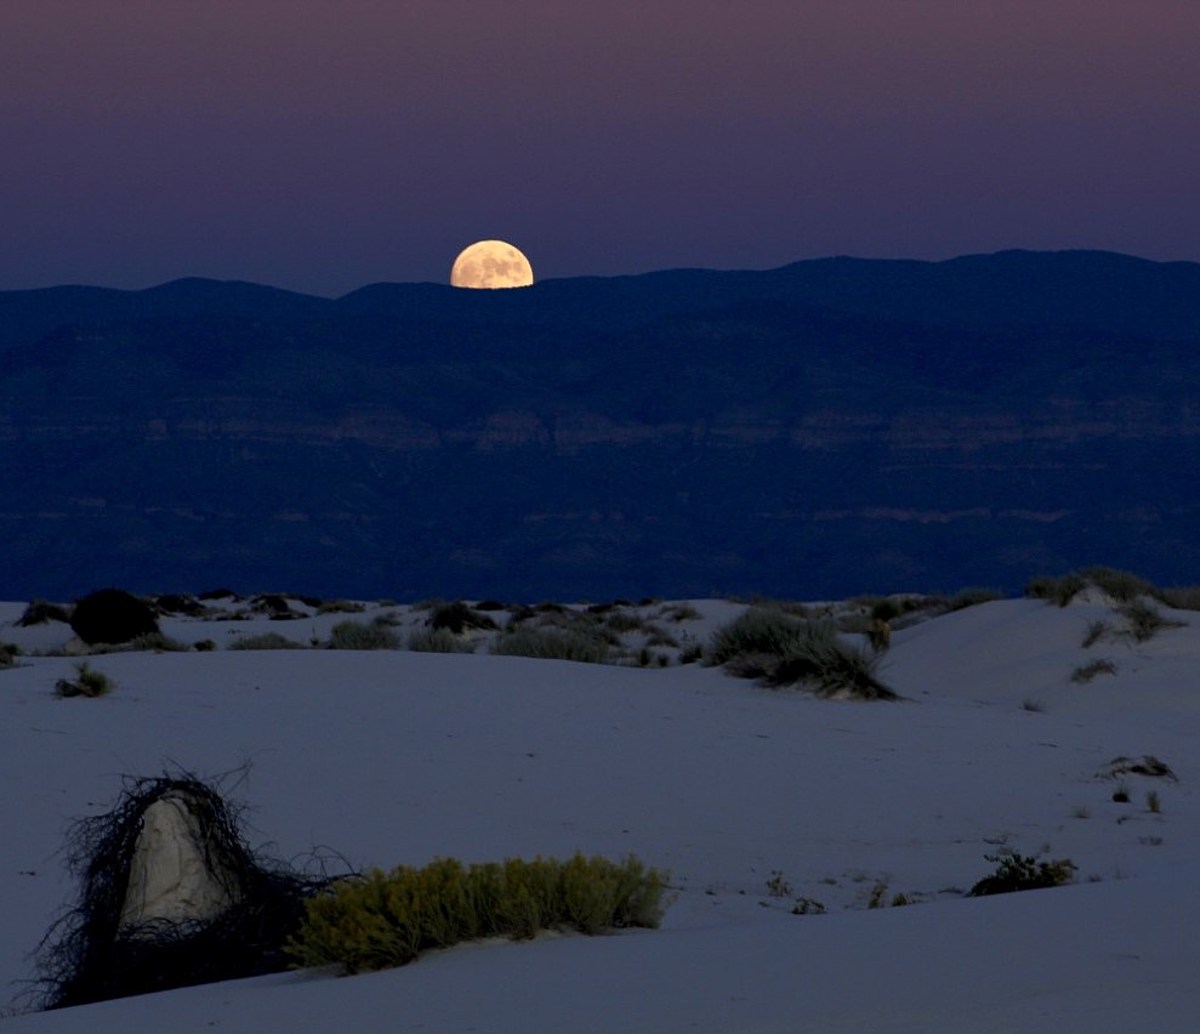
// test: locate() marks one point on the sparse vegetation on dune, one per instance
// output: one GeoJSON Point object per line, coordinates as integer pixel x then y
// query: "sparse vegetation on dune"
{"type": "Point", "coordinates": [552, 642]}
{"type": "Point", "coordinates": [87, 683]}
{"type": "Point", "coordinates": [458, 618]}
{"type": "Point", "coordinates": [1180, 597]}
{"type": "Point", "coordinates": [358, 635]}
{"type": "Point", "coordinates": [266, 641]}
{"type": "Point", "coordinates": [781, 650]}
{"type": "Point", "coordinates": [39, 612]}
{"type": "Point", "coordinates": [383, 919]}
{"type": "Point", "coordinates": [1016, 872]}
{"type": "Point", "coordinates": [1087, 672]}
{"type": "Point", "coordinates": [437, 640]}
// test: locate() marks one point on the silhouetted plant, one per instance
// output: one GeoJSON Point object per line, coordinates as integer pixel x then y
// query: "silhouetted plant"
{"type": "Point", "coordinates": [781, 650]}
{"type": "Point", "coordinates": [39, 612]}
{"type": "Point", "coordinates": [87, 683]}
{"type": "Point", "coordinates": [457, 618]}
{"type": "Point", "coordinates": [1180, 597]}
{"type": "Point", "coordinates": [551, 643]}
{"type": "Point", "coordinates": [1060, 590]}
{"type": "Point", "coordinates": [1144, 621]}
{"type": "Point", "coordinates": [357, 635]}
{"type": "Point", "coordinates": [972, 597]}
{"type": "Point", "coordinates": [1087, 672]}
{"type": "Point", "coordinates": [437, 640]}
{"type": "Point", "coordinates": [266, 641]}
{"type": "Point", "coordinates": [1016, 872]}
{"type": "Point", "coordinates": [112, 616]}
{"type": "Point", "coordinates": [1120, 586]}
{"type": "Point", "coordinates": [340, 607]}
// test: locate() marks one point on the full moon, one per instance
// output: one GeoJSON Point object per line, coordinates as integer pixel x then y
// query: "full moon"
{"type": "Point", "coordinates": [491, 264]}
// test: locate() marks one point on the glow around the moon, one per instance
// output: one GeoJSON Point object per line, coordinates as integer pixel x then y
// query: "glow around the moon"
{"type": "Point", "coordinates": [491, 264]}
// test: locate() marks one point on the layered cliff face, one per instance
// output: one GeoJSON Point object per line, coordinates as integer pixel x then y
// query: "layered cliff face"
{"type": "Point", "coordinates": [817, 430]}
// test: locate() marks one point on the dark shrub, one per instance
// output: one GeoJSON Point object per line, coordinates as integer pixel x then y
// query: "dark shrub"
{"type": "Point", "coordinates": [106, 947]}
{"type": "Point", "coordinates": [1021, 872]}
{"type": "Point", "coordinates": [457, 617]}
{"type": "Point", "coordinates": [39, 612]}
{"type": "Point", "coordinates": [112, 616]}
{"type": "Point", "coordinates": [174, 603]}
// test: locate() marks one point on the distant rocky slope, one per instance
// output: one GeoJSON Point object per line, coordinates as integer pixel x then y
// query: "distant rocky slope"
{"type": "Point", "coordinates": [821, 429]}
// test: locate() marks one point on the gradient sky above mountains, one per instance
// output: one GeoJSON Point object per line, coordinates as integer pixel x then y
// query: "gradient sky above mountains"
{"type": "Point", "coordinates": [323, 144]}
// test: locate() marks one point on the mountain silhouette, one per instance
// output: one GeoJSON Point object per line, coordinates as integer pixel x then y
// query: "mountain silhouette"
{"type": "Point", "coordinates": [829, 427]}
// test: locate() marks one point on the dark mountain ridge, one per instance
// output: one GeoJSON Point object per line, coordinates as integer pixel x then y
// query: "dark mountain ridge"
{"type": "Point", "coordinates": [828, 427]}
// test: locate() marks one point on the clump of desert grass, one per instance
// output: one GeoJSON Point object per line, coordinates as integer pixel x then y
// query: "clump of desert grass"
{"type": "Point", "coordinates": [437, 640]}
{"type": "Point", "coordinates": [266, 641]}
{"type": "Point", "coordinates": [88, 682]}
{"type": "Point", "coordinates": [780, 649]}
{"type": "Point", "coordinates": [552, 642]}
{"type": "Point", "coordinates": [358, 635]}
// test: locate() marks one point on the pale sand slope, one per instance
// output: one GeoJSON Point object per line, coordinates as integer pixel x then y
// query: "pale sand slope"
{"type": "Point", "coordinates": [397, 757]}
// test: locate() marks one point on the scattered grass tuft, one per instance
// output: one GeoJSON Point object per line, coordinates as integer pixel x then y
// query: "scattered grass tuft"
{"type": "Point", "coordinates": [87, 683]}
{"type": "Point", "coordinates": [1143, 621]}
{"type": "Point", "coordinates": [357, 635]}
{"type": "Point", "coordinates": [1086, 672]}
{"type": "Point", "coordinates": [266, 641]}
{"type": "Point", "coordinates": [39, 612]}
{"type": "Point", "coordinates": [437, 640]}
{"type": "Point", "coordinates": [1180, 597]}
{"type": "Point", "coordinates": [1059, 590]}
{"type": "Point", "coordinates": [552, 643]}
{"type": "Point", "coordinates": [457, 618]}
{"type": "Point", "coordinates": [1121, 586]}
{"type": "Point", "coordinates": [1016, 872]}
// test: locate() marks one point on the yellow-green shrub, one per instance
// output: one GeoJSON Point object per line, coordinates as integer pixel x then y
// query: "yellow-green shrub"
{"type": "Point", "coordinates": [386, 919]}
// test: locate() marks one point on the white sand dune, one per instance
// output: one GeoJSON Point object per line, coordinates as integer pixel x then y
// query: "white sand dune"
{"type": "Point", "coordinates": [395, 757]}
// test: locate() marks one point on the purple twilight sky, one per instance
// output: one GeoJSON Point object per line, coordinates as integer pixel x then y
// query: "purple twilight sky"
{"type": "Point", "coordinates": [324, 144]}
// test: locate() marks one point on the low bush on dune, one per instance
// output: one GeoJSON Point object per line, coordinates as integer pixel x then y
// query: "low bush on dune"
{"type": "Point", "coordinates": [9, 652]}
{"type": "Point", "coordinates": [757, 632]}
{"type": "Point", "coordinates": [266, 641]}
{"type": "Point", "coordinates": [437, 640]}
{"type": "Point", "coordinates": [781, 650]}
{"type": "Point", "coordinates": [1086, 672]}
{"type": "Point", "coordinates": [1059, 590]}
{"type": "Point", "coordinates": [340, 607]}
{"type": "Point", "coordinates": [356, 635]}
{"type": "Point", "coordinates": [1143, 620]}
{"type": "Point", "coordinates": [552, 642]}
{"type": "Point", "coordinates": [87, 683]}
{"type": "Point", "coordinates": [1180, 597]}
{"type": "Point", "coordinates": [112, 616]}
{"type": "Point", "coordinates": [1121, 587]}
{"type": "Point", "coordinates": [971, 597]}
{"type": "Point", "coordinates": [457, 618]}
{"type": "Point", "coordinates": [1016, 872]}
{"type": "Point", "coordinates": [383, 919]}
{"type": "Point", "coordinates": [39, 612]}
